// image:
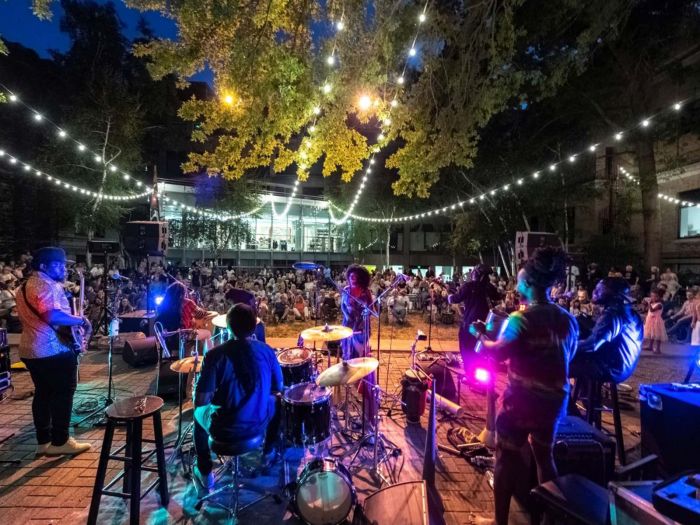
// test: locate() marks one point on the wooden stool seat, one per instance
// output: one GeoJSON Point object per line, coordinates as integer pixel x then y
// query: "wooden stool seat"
{"type": "Point", "coordinates": [131, 412]}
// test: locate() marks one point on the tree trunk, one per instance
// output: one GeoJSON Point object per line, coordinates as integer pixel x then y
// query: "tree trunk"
{"type": "Point", "coordinates": [649, 186]}
{"type": "Point", "coordinates": [388, 244]}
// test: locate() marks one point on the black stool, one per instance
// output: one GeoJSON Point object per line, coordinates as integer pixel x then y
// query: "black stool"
{"type": "Point", "coordinates": [234, 451]}
{"type": "Point", "coordinates": [572, 499]}
{"type": "Point", "coordinates": [132, 412]}
{"type": "Point", "coordinates": [594, 408]}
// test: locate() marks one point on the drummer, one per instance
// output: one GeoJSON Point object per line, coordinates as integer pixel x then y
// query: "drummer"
{"type": "Point", "coordinates": [235, 395]}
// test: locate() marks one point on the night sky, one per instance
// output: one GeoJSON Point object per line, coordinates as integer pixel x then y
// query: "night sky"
{"type": "Point", "coordinates": [18, 24]}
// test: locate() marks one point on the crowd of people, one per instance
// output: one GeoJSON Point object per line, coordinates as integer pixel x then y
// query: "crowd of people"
{"type": "Point", "coordinates": [671, 310]}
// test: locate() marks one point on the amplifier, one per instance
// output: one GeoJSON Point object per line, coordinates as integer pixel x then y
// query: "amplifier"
{"type": "Point", "coordinates": [580, 448]}
{"type": "Point", "coordinates": [670, 420]}
{"type": "Point", "coordinates": [5, 381]}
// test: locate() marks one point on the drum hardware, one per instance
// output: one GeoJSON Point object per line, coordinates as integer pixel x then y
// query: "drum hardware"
{"type": "Point", "coordinates": [306, 414]}
{"type": "Point", "coordinates": [325, 334]}
{"type": "Point", "coordinates": [375, 439]}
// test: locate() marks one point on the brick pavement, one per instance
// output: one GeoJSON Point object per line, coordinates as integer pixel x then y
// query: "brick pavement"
{"type": "Point", "coordinates": [57, 490]}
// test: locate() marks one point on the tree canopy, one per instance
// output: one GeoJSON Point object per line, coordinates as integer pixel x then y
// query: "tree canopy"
{"type": "Point", "coordinates": [270, 64]}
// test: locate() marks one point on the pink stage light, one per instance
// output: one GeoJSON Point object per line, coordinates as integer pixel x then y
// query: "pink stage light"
{"type": "Point", "coordinates": [482, 375]}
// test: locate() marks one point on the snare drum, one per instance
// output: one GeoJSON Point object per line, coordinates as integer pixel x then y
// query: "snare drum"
{"type": "Point", "coordinates": [324, 494]}
{"type": "Point", "coordinates": [306, 414]}
{"type": "Point", "coordinates": [297, 365]}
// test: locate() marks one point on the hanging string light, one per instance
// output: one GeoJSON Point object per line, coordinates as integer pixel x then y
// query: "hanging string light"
{"type": "Point", "coordinates": [365, 102]}
{"type": "Point", "coordinates": [78, 190]}
{"type": "Point", "coordinates": [456, 206]}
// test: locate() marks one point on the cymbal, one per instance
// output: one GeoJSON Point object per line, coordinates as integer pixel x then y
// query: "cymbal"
{"type": "Point", "coordinates": [326, 333]}
{"type": "Point", "coordinates": [186, 365]}
{"type": "Point", "coordinates": [347, 372]}
{"type": "Point", "coordinates": [220, 321]}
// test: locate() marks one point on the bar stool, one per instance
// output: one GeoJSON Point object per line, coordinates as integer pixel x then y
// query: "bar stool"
{"type": "Point", "coordinates": [131, 412]}
{"type": "Point", "coordinates": [233, 451]}
{"type": "Point", "coordinates": [594, 409]}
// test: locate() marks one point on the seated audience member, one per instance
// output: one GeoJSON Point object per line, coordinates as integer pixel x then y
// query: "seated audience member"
{"type": "Point", "coordinates": [235, 395]}
{"type": "Point", "coordinates": [684, 316]}
{"type": "Point", "coordinates": [280, 309]}
{"type": "Point", "coordinates": [399, 307]}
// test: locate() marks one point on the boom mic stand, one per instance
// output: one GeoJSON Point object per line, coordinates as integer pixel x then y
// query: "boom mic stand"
{"type": "Point", "coordinates": [112, 332]}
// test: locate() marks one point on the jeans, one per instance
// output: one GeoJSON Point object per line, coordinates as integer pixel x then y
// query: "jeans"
{"type": "Point", "coordinates": [202, 431]}
{"type": "Point", "coordinates": [55, 379]}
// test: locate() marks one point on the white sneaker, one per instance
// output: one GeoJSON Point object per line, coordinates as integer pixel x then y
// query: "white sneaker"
{"type": "Point", "coordinates": [42, 448]}
{"type": "Point", "coordinates": [70, 447]}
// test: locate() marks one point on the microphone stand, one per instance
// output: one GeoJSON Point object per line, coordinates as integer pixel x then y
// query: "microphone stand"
{"type": "Point", "coordinates": [431, 303]}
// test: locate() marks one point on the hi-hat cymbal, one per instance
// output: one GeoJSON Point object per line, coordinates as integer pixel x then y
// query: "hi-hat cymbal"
{"type": "Point", "coordinates": [347, 372]}
{"type": "Point", "coordinates": [326, 333]}
{"type": "Point", "coordinates": [186, 365]}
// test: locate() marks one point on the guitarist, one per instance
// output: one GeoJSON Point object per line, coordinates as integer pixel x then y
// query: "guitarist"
{"type": "Point", "coordinates": [47, 349]}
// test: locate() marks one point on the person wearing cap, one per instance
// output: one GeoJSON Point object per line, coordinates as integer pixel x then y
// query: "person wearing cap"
{"type": "Point", "coordinates": [43, 310]}
{"type": "Point", "coordinates": [612, 350]}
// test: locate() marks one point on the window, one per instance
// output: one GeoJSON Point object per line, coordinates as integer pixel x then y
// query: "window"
{"type": "Point", "coordinates": [689, 216]}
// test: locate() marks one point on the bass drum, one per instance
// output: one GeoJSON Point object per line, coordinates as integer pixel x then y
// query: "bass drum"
{"type": "Point", "coordinates": [324, 493]}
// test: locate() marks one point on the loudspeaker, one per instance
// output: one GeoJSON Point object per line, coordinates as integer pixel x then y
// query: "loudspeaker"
{"type": "Point", "coordinates": [670, 419]}
{"type": "Point", "coordinates": [103, 246]}
{"type": "Point", "coordinates": [400, 504]}
{"type": "Point", "coordinates": [141, 352]}
{"type": "Point", "coordinates": [528, 242]}
{"type": "Point", "coordinates": [137, 321]}
{"type": "Point", "coordinates": [146, 237]}
{"type": "Point", "coordinates": [580, 448]}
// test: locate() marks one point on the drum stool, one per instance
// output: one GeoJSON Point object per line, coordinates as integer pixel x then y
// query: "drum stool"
{"type": "Point", "coordinates": [131, 411]}
{"type": "Point", "coordinates": [233, 451]}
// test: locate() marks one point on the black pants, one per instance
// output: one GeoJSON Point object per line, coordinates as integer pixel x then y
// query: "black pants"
{"type": "Point", "coordinates": [203, 431]}
{"type": "Point", "coordinates": [55, 379]}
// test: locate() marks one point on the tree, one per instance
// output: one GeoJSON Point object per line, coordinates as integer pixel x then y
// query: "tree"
{"type": "Point", "coordinates": [270, 68]}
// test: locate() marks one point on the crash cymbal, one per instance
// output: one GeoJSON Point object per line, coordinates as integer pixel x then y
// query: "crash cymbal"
{"type": "Point", "coordinates": [186, 365]}
{"type": "Point", "coordinates": [326, 333]}
{"type": "Point", "coordinates": [347, 372]}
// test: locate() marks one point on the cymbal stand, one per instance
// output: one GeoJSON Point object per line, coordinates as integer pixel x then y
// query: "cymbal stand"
{"type": "Point", "coordinates": [183, 436]}
{"type": "Point", "coordinates": [376, 440]}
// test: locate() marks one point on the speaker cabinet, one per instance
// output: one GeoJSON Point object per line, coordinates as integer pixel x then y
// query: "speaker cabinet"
{"type": "Point", "coordinates": [148, 237]}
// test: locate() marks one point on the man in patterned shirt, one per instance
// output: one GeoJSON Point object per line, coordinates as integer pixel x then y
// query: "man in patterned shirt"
{"type": "Point", "coordinates": [43, 309]}
{"type": "Point", "coordinates": [538, 343]}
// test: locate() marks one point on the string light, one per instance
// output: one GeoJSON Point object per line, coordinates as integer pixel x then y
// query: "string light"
{"type": "Point", "coordinates": [520, 182]}
{"type": "Point", "coordinates": [58, 182]}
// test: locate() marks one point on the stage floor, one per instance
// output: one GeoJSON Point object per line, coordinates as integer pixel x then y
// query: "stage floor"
{"type": "Point", "coordinates": [56, 490]}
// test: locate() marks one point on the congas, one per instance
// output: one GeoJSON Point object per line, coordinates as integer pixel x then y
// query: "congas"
{"type": "Point", "coordinates": [324, 494]}
{"type": "Point", "coordinates": [495, 324]}
{"type": "Point", "coordinates": [297, 365]}
{"type": "Point", "coordinates": [306, 414]}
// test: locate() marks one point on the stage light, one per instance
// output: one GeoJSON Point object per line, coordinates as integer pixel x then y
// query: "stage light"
{"type": "Point", "coordinates": [158, 300]}
{"type": "Point", "coordinates": [340, 25]}
{"type": "Point", "coordinates": [482, 375]}
{"type": "Point", "coordinates": [412, 52]}
{"type": "Point", "coordinates": [421, 18]}
{"type": "Point", "coordinates": [330, 60]}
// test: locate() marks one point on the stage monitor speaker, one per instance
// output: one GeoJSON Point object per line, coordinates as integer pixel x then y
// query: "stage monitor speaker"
{"type": "Point", "coordinates": [168, 380]}
{"type": "Point", "coordinates": [400, 504]}
{"type": "Point", "coordinates": [141, 352]}
{"type": "Point", "coordinates": [444, 382]}
{"type": "Point", "coordinates": [670, 420]}
{"type": "Point", "coordinates": [149, 237]}
{"type": "Point", "coordinates": [582, 449]}
{"type": "Point", "coordinates": [103, 247]}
